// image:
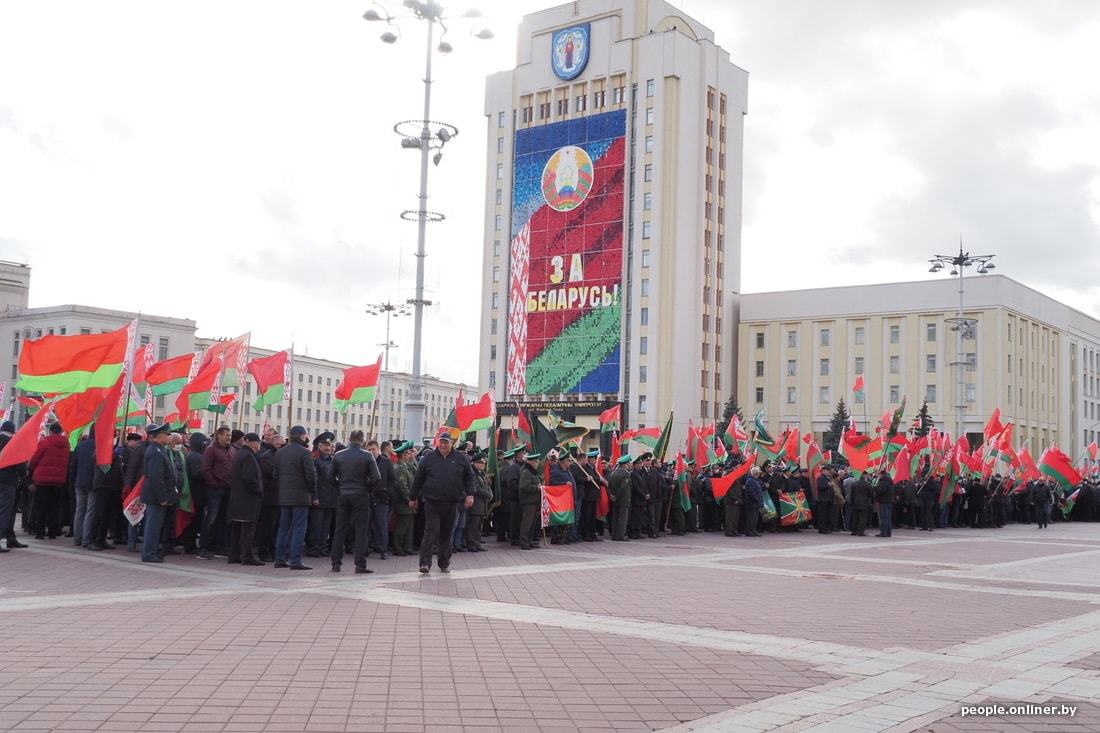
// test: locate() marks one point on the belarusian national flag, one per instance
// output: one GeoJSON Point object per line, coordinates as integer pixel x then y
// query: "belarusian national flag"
{"type": "Point", "coordinates": [22, 445]}
{"type": "Point", "coordinates": [225, 401]}
{"type": "Point", "coordinates": [171, 375]}
{"type": "Point", "coordinates": [794, 450]}
{"type": "Point", "coordinates": [611, 418]}
{"type": "Point", "coordinates": [720, 486]}
{"type": "Point", "coordinates": [232, 355]}
{"type": "Point", "coordinates": [202, 391]}
{"type": "Point", "coordinates": [105, 425]}
{"type": "Point", "coordinates": [559, 500]}
{"type": "Point", "coordinates": [359, 385]}
{"type": "Point", "coordinates": [616, 449]}
{"type": "Point", "coordinates": [68, 364]}
{"type": "Point", "coordinates": [648, 437]}
{"type": "Point", "coordinates": [33, 404]}
{"type": "Point", "coordinates": [272, 375]}
{"type": "Point", "coordinates": [1071, 501]}
{"type": "Point", "coordinates": [735, 436]}
{"type": "Point", "coordinates": [476, 415]}
{"type": "Point", "coordinates": [143, 359]}
{"type": "Point", "coordinates": [683, 480]}
{"type": "Point", "coordinates": [858, 388]}
{"type": "Point", "coordinates": [523, 429]}
{"type": "Point", "coordinates": [77, 412]}
{"type": "Point", "coordinates": [1027, 471]}
{"type": "Point", "coordinates": [993, 426]}
{"type": "Point", "coordinates": [903, 466]}
{"type": "Point", "coordinates": [1058, 466]}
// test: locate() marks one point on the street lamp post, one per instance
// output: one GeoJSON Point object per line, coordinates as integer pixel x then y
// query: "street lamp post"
{"type": "Point", "coordinates": [391, 310]}
{"type": "Point", "coordinates": [961, 324]}
{"type": "Point", "coordinates": [423, 135]}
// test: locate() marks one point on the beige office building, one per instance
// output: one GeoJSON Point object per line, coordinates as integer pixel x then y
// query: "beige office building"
{"type": "Point", "coordinates": [1031, 356]}
{"type": "Point", "coordinates": [659, 239]}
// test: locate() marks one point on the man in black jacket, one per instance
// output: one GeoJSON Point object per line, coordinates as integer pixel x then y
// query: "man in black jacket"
{"type": "Point", "coordinates": [444, 478]}
{"type": "Point", "coordinates": [355, 473]}
{"type": "Point", "coordinates": [322, 515]}
{"type": "Point", "coordinates": [824, 508]}
{"type": "Point", "coordinates": [269, 512]}
{"type": "Point", "coordinates": [640, 509]}
{"type": "Point", "coordinates": [10, 477]}
{"type": "Point", "coordinates": [589, 482]}
{"type": "Point", "coordinates": [380, 498]}
{"type": "Point", "coordinates": [296, 477]}
{"type": "Point", "coordinates": [158, 493]}
{"type": "Point", "coordinates": [509, 484]}
{"type": "Point", "coordinates": [861, 505]}
{"type": "Point", "coordinates": [884, 495]}
{"type": "Point", "coordinates": [246, 493]}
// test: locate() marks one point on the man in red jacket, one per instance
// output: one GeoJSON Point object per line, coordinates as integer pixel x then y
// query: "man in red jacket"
{"type": "Point", "coordinates": [49, 467]}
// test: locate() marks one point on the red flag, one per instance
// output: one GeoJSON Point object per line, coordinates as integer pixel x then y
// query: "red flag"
{"type": "Point", "coordinates": [721, 486]}
{"type": "Point", "coordinates": [603, 506]}
{"type": "Point", "coordinates": [793, 449]}
{"type": "Point", "coordinates": [858, 386]}
{"type": "Point", "coordinates": [23, 444]}
{"type": "Point", "coordinates": [616, 449]}
{"type": "Point", "coordinates": [105, 426]}
{"type": "Point", "coordinates": [993, 427]}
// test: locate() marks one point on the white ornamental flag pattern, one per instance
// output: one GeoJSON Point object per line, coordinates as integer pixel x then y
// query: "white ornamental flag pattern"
{"type": "Point", "coordinates": [517, 311]}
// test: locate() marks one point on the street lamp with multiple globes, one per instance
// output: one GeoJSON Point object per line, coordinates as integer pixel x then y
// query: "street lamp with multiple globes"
{"type": "Point", "coordinates": [390, 310]}
{"type": "Point", "coordinates": [429, 137]}
{"type": "Point", "coordinates": [960, 324]}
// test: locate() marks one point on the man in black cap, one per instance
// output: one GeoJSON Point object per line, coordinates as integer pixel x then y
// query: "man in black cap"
{"type": "Point", "coordinates": [159, 492]}
{"type": "Point", "coordinates": [500, 515]}
{"type": "Point", "coordinates": [246, 493]}
{"type": "Point", "coordinates": [379, 539]}
{"type": "Point", "coordinates": [217, 469]}
{"type": "Point", "coordinates": [475, 514]}
{"type": "Point", "coordinates": [619, 487]}
{"type": "Point", "coordinates": [296, 477]}
{"type": "Point", "coordinates": [640, 508]}
{"type": "Point", "coordinates": [356, 475]}
{"type": "Point", "coordinates": [10, 476]}
{"type": "Point", "coordinates": [49, 468]}
{"type": "Point", "coordinates": [444, 479]}
{"type": "Point", "coordinates": [323, 514]}
{"type": "Point", "coordinates": [530, 499]}
{"type": "Point", "coordinates": [589, 482]}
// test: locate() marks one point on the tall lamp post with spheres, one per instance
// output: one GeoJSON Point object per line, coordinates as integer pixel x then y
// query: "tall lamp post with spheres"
{"type": "Point", "coordinates": [429, 137]}
{"type": "Point", "coordinates": [960, 323]}
{"type": "Point", "coordinates": [389, 310]}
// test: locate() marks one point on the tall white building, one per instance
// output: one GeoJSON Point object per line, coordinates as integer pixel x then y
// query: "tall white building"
{"type": "Point", "coordinates": [613, 215]}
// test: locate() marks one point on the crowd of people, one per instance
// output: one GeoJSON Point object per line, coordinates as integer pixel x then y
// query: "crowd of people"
{"type": "Point", "coordinates": [253, 499]}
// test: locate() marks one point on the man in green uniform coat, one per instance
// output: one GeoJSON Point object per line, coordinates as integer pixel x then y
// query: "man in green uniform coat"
{"type": "Point", "coordinates": [619, 491]}
{"type": "Point", "coordinates": [530, 498]}
{"type": "Point", "coordinates": [403, 474]}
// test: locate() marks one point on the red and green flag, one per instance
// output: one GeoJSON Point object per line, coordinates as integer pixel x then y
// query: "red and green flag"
{"type": "Point", "coordinates": [735, 437]}
{"type": "Point", "coordinates": [993, 426]}
{"type": "Point", "coordinates": [859, 388]}
{"type": "Point", "coordinates": [143, 359]}
{"type": "Point", "coordinates": [32, 404]}
{"type": "Point", "coordinates": [70, 364]}
{"type": "Point", "coordinates": [185, 509]}
{"type": "Point", "coordinates": [359, 385]}
{"type": "Point", "coordinates": [649, 437]}
{"type": "Point", "coordinates": [1058, 466]}
{"type": "Point", "coordinates": [202, 390]}
{"type": "Point", "coordinates": [616, 449]}
{"type": "Point", "coordinates": [77, 412]}
{"type": "Point", "coordinates": [480, 415]}
{"type": "Point", "coordinates": [22, 445]}
{"type": "Point", "coordinates": [793, 450]}
{"type": "Point", "coordinates": [1071, 501]}
{"type": "Point", "coordinates": [558, 507]}
{"type": "Point", "coordinates": [105, 425]}
{"type": "Point", "coordinates": [523, 429]}
{"type": "Point", "coordinates": [224, 403]}
{"type": "Point", "coordinates": [611, 419]}
{"type": "Point", "coordinates": [170, 375]}
{"type": "Point", "coordinates": [272, 377]}
{"type": "Point", "coordinates": [683, 480]}
{"type": "Point", "coordinates": [720, 486]}
{"type": "Point", "coordinates": [232, 355]}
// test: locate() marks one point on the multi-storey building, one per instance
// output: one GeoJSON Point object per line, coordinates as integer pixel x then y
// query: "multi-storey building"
{"type": "Point", "coordinates": [1029, 355]}
{"type": "Point", "coordinates": [613, 215]}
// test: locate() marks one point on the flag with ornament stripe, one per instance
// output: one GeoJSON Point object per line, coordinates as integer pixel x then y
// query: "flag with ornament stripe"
{"type": "Point", "coordinates": [721, 485]}
{"type": "Point", "coordinates": [202, 390]}
{"type": "Point", "coordinates": [1057, 465]}
{"type": "Point", "coordinates": [22, 445]}
{"type": "Point", "coordinates": [611, 419]}
{"type": "Point", "coordinates": [558, 507]}
{"type": "Point", "coordinates": [272, 377]}
{"type": "Point", "coordinates": [170, 375]}
{"type": "Point", "coordinates": [232, 355]}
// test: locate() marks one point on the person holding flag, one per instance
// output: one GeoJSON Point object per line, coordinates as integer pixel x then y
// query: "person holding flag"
{"type": "Point", "coordinates": [159, 491]}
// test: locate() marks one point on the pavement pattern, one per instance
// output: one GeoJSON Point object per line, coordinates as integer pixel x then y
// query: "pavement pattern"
{"type": "Point", "coordinates": [790, 632]}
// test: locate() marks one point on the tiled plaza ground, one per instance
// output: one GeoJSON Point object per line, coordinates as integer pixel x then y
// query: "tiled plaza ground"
{"type": "Point", "coordinates": [791, 633]}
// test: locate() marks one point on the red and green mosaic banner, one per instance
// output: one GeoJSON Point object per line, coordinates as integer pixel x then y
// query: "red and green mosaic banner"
{"type": "Point", "coordinates": [566, 267]}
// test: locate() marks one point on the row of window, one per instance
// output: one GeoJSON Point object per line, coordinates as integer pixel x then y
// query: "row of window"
{"type": "Point", "coordinates": [894, 365]}
{"type": "Point", "coordinates": [859, 335]}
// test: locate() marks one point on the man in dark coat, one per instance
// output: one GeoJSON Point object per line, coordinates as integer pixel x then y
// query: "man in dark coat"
{"type": "Point", "coordinates": [217, 467]}
{"type": "Point", "coordinates": [884, 495]}
{"type": "Point", "coordinates": [322, 516]}
{"type": "Point", "coordinates": [824, 508]}
{"type": "Point", "coordinates": [380, 507]}
{"type": "Point", "coordinates": [619, 489]}
{"type": "Point", "coordinates": [475, 515]}
{"type": "Point", "coordinates": [269, 512]}
{"type": "Point", "coordinates": [108, 489]}
{"type": "Point", "coordinates": [929, 494]}
{"type": "Point", "coordinates": [753, 501]}
{"type": "Point", "coordinates": [356, 475]}
{"type": "Point", "coordinates": [246, 495]}
{"type": "Point", "coordinates": [530, 498]}
{"type": "Point", "coordinates": [403, 474]}
{"type": "Point", "coordinates": [589, 483]}
{"type": "Point", "coordinates": [10, 478]}
{"type": "Point", "coordinates": [640, 511]}
{"type": "Point", "coordinates": [296, 477]}
{"type": "Point", "coordinates": [443, 480]}
{"type": "Point", "coordinates": [1042, 498]}
{"type": "Point", "coordinates": [732, 501]}
{"type": "Point", "coordinates": [861, 506]}
{"type": "Point", "coordinates": [509, 483]}
{"type": "Point", "coordinates": [198, 443]}
{"type": "Point", "coordinates": [159, 492]}
{"type": "Point", "coordinates": [83, 473]}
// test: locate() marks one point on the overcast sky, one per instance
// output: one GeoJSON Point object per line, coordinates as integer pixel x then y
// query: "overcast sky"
{"type": "Point", "coordinates": [234, 163]}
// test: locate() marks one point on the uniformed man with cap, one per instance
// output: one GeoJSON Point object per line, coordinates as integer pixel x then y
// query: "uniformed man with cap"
{"type": "Point", "coordinates": [403, 474]}
{"type": "Point", "coordinates": [322, 517]}
{"type": "Point", "coordinates": [619, 489]}
{"type": "Point", "coordinates": [509, 491]}
{"type": "Point", "coordinates": [159, 492]}
{"type": "Point", "coordinates": [475, 515]}
{"type": "Point", "coordinates": [677, 517]}
{"type": "Point", "coordinates": [588, 483]}
{"type": "Point", "coordinates": [640, 511]}
{"type": "Point", "coordinates": [530, 499]}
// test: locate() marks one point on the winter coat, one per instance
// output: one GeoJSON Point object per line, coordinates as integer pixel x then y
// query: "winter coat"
{"type": "Point", "coordinates": [530, 485]}
{"type": "Point", "coordinates": [194, 469]}
{"type": "Point", "coordinates": [509, 482]}
{"type": "Point", "coordinates": [403, 475]}
{"type": "Point", "coordinates": [355, 471]}
{"type": "Point", "coordinates": [217, 466]}
{"type": "Point", "coordinates": [884, 490]}
{"type": "Point", "coordinates": [267, 470]}
{"type": "Point", "coordinates": [133, 463]}
{"type": "Point", "coordinates": [84, 467]}
{"type": "Point", "coordinates": [587, 481]}
{"type": "Point", "coordinates": [295, 475]}
{"type": "Point", "coordinates": [112, 479]}
{"type": "Point", "coordinates": [639, 486]}
{"type": "Point", "coordinates": [754, 493]}
{"type": "Point", "coordinates": [447, 478]}
{"type": "Point", "coordinates": [328, 494]}
{"type": "Point", "coordinates": [483, 495]}
{"type": "Point", "coordinates": [246, 487]}
{"type": "Point", "coordinates": [49, 465]}
{"type": "Point", "coordinates": [619, 485]}
{"type": "Point", "coordinates": [861, 494]}
{"type": "Point", "coordinates": [383, 492]}
{"type": "Point", "coordinates": [160, 477]}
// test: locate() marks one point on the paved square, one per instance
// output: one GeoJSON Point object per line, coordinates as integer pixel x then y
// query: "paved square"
{"type": "Point", "coordinates": [793, 632]}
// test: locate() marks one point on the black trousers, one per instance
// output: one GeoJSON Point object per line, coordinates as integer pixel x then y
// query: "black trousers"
{"type": "Point", "coordinates": [859, 520]}
{"type": "Point", "coordinates": [927, 514]}
{"type": "Point", "coordinates": [515, 518]}
{"type": "Point", "coordinates": [588, 519]}
{"type": "Point", "coordinates": [733, 518]}
{"type": "Point", "coordinates": [105, 499]}
{"type": "Point", "coordinates": [824, 516]}
{"type": "Point", "coordinates": [265, 531]}
{"type": "Point", "coordinates": [46, 514]}
{"type": "Point", "coordinates": [353, 510]}
{"type": "Point", "coordinates": [502, 522]}
{"type": "Point", "coordinates": [439, 525]}
{"type": "Point", "coordinates": [241, 535]}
